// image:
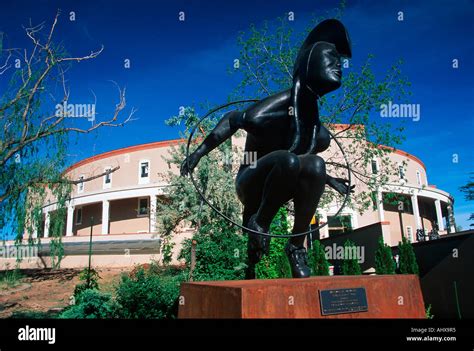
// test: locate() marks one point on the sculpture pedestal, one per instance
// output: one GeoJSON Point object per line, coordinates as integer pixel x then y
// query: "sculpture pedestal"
{"type": "Point", "coordinates": [374, 296]}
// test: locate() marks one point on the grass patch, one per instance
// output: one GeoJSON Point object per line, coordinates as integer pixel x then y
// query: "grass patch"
{"type": "Point", "coordinates": [10, 278]}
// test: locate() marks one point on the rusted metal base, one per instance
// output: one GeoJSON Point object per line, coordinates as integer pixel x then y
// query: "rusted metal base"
{"type": "Point", "coordinates": [388, 296]}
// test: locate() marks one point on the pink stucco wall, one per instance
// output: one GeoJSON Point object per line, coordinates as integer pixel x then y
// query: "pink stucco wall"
{"type": "Point", "coordinates": [123, 216]}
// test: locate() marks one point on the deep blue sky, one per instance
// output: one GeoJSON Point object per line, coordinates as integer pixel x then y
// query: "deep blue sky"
{"type": "Point", "coordinates": [182, 63]}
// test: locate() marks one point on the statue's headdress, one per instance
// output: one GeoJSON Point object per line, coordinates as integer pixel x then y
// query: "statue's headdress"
{"type": "Point", "coordinates": [331, 31]}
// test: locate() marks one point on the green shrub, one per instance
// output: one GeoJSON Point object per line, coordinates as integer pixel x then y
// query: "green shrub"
{"type": "Point", "coordinates": [317, 259]}
{"type": "Point", "coordinates": [275, 264]}
{"type": "Point", "coordinates": [220, 253]}
{"type": "Point", "coordinates": [408, 264]}
{"type": "Point", "coordinates": [428, 313]}
{"type": "Point", "coordinates": [91, 303]}
{"type": "Point", "coordinates": [164, 270]}
{"type": "Point", "coordinates": [350, 266]}
{"type": "Point", "coordinates": [384, 262]}
{"type": "Point", "coordinates": [148, 295]}
{"type": "Point", "coordinates": [90, 280]}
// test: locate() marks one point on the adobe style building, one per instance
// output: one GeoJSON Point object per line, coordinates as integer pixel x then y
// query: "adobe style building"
{"type": "Point", "coordinates": [120, 208]}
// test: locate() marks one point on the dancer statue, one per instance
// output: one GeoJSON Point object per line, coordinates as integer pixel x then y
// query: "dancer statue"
{"type": "Point", "coordinates": [285, 133]}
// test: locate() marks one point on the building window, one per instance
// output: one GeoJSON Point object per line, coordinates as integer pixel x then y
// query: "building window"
{"type": "Point", "coordinates": [144, 172]}
{"type": "Point", "coordinates": [107, 178]}
{"type": "Point", "coordinates": [80, 186]}
{"type": "Point", "coordinates": [375, 167]}
{"type": "Point", "coordinates": [143, 207]}
{"type": "Point", "coordinates": [78, 216]}
{"type": "Point", "coordinates": [418, 178]}
{"type": "Point", "coordinates": [339, 224]}
{"type": "Point", "coordinates": [401, 172]}
{"type": "Point", "coordinates": [410, 234]}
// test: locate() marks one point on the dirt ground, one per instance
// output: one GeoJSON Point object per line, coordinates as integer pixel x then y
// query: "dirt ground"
{"type": "Point", "coordinates": [45, 290]}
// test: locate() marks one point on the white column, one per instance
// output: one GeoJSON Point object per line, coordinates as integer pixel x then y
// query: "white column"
{"type": "Point", "coordinates": [354, 220]}
{"type": "Point", "coordinates": [452, 225]}
{"type": "Point", "coordinates": [46, 224]}
{"type": "Point", "coordinates": [416, 211]}
{"type": "Point", "coordinates": [153, 202]}
{"type": "Point", "coordinates": [34, 235]}
{"type": "Point", "coordinates": [380, 206]}
{"type": "Point", "coordinates": [105, 216]}
{"type": "Point", "coordinates": [69, 220]}
{"type": "Point", "coordinates": [324, 231]}
{"type": "Point", "coordinates": [439, 215]}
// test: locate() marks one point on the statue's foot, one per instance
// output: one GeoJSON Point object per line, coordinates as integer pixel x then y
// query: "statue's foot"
{"type": "Point", "coordinates": [259, 245]}
{"type": "Point", "coordinates": [298, 261]}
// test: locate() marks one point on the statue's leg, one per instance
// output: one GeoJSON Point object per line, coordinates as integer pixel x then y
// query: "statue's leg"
{"type": "Point", "coordinates": [310, 187]}
{"type": "Point", "coordinates": [311, 183]}
{"type": "Point", "coordinates": [269, 185]}
{"type": "Point", "coordinates": [254, 254]}
{"type": "Point", "coordinates": [263, 190]}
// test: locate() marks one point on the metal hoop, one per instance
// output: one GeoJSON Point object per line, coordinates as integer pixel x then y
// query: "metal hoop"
{"type": "Point", "coordinates": [244, 228]}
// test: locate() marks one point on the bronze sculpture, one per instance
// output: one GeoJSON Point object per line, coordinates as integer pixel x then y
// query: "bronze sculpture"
{"type": "Point", "coordinates": [286, 134]}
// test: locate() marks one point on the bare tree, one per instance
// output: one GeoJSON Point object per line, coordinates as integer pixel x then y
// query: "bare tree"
{"type": "Point", "coordinates": [32, 140]}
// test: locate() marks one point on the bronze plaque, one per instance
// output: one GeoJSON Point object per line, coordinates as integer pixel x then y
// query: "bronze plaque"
{"type": "Point", "coordinates": [338, 301]}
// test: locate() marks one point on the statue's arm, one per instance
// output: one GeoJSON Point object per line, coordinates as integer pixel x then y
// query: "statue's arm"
{"type": "Point", "coordinates": [295, 91]}
{"type": "Point", "coordinates": [226, 127]}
